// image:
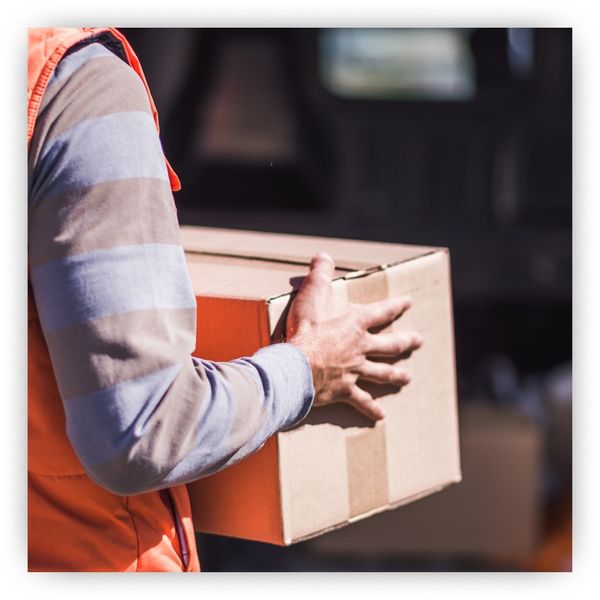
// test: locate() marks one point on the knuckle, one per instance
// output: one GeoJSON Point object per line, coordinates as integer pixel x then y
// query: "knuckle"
{"type": "Point", "coordinates": [394, 375]}
{"type": "Point", "coordinates": [390, 375]}
{"type": "Point", "coordinates": [357, 340]}
{"type": "Point", "coordinates": [356, 394]}
{"type": "Point", "coordinates": [360, 317]}
{"type": "Point", "coordinates": [347, 386]}
{"type": "Point", "coordinates": [320, 277]}
{"type": "Point", "coordinates": [358, 326]}
{"type": "Point", "coordinates": [362, 365]}
{"type": "Point", "coordinates": [363, 345]}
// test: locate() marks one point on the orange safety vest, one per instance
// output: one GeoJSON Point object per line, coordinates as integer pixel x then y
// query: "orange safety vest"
{"type": "Point", "coordinates": [73, 523]}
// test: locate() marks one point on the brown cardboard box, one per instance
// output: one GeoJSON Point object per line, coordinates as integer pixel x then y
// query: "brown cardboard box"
{"type": "Point", "coordinates": [493, 514]}
{"type": "Point", "coordinates": [336, 467]}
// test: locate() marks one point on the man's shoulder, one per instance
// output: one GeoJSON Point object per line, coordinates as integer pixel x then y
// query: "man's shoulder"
{"type": "Point", "coordinates": [92, 65]}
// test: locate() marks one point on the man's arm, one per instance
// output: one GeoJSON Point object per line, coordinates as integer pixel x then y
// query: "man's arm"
{"type": "Point", "coordinates": [115, 302]}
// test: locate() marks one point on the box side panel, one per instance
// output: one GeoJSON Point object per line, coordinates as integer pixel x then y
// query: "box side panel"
{"type": "Point", "coordinates": [314, 479]}
{"type": "Point", "coordinates": [243, 500]}
{"type": "Point", "coordinates": [227, 328]}
{"type": "Point", "coordinates": [422, 422]}
{"type": "Point", "coordinates": [367, 515]}
{"type": "Point", "coordinates": [493, 513]}
{"type": "Point", "coordinates": [414, 451]}
{"type": "Point", "coordinates": [278, 310]}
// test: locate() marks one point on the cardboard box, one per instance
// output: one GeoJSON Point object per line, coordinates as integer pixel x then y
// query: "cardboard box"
{"type": "Point", "coordinates": [495, 513]}
{"type": "Point", "coordinates": [337, 466]}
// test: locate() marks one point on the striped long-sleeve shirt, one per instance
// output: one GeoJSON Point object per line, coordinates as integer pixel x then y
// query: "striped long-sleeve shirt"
{"type": "Point", "coordinates": [115, 302]}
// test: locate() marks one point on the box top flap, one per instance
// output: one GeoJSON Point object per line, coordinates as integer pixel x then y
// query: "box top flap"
{"type": "Point", "coordinates": [238, 263]}
{"type": "Point", "coordinates": [349, 255]}
{"type": "Point", "coordinates": [251, 279]}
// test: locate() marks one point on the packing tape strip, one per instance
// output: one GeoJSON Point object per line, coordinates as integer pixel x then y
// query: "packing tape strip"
{"type": "Point", "coordinates": [366, 453]}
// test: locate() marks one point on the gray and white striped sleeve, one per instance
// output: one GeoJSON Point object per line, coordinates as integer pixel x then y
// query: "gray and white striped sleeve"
{"type": "Point", "coordinates": [115, 302]}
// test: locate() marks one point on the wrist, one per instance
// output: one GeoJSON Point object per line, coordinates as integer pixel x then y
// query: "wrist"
{"type": "Point", "coordinates": [304, 342]}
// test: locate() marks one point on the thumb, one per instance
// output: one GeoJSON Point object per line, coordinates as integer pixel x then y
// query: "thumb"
{"type": "Point", "coordinates": [322, 269]}
{"type": "Point", "coordinates": [316, 286]}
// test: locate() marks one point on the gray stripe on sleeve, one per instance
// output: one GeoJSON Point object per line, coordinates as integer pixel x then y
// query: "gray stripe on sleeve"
{"type": "Point", "coordinates": [111, 281]}
{"type": "Point", "coordinates": [145, 463]}
{"type": "Point", "coordinates": [75, 60]}
{"type": "Point", "coordinates": [108, 148]}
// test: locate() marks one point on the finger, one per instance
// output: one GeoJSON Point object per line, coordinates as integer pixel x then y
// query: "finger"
{"type": "Point", "coordinates": [383, 373]}
{"type": "Point", "coordinates": [384, 311]}
{"type": "Point", "coordinates": [363, 402]}
{"type": "Point", "coordinates": [392, 344]}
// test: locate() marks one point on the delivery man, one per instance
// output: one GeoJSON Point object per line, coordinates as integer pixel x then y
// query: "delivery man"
{"type": "Point", "coordinates": [120, 414]}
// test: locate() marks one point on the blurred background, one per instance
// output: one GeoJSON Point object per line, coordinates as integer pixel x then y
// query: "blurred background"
{"type": "Point", "coordinates": [446, 137]}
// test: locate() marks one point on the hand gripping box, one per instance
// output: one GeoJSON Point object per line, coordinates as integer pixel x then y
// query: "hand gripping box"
{"type": "Point", "coordinates": [336, 467]}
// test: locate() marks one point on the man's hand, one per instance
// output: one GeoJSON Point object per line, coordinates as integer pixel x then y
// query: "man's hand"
{"type": "Point", "coordinates": [338, 344]}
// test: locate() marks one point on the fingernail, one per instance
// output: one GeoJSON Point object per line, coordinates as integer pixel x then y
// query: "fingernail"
{"type": "Point", "coordinates": [379, 412]}
{"type": "Point", "coordinates": [325, 255]}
